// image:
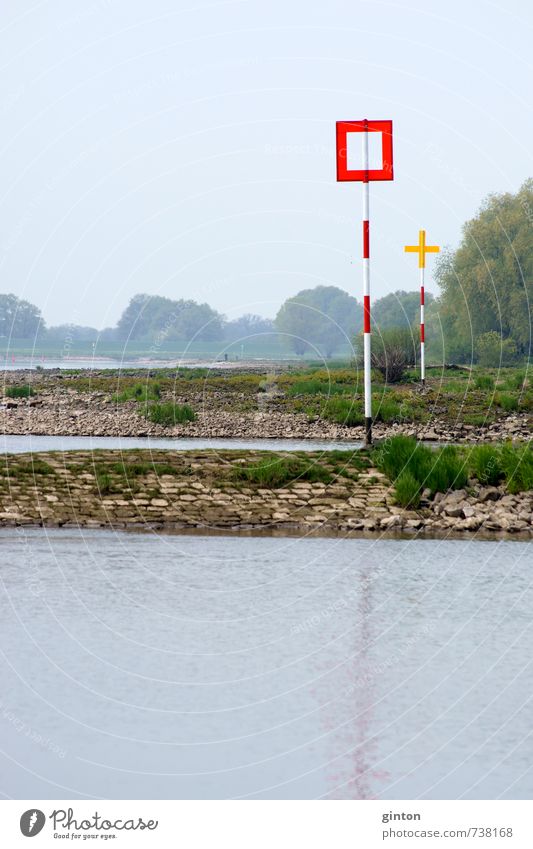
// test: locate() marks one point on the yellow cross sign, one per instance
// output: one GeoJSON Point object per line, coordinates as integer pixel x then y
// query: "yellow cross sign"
{"type": "Point", "coordinates": [422, 249]}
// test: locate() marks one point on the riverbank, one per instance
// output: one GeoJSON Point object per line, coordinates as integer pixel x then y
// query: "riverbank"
{"type": "Point", "coordinates": [324, 493]}
{"type": "Point", "coordinates": [252, 405]}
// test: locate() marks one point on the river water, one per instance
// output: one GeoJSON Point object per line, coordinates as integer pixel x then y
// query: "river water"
{"type": "Point", "coordinates": [25, 443]}
{"type": "Point", "coordinates": [146, 666]}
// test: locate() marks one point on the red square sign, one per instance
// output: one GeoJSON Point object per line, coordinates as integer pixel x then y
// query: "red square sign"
{"type": "Point", "coordinates": [343, 171]}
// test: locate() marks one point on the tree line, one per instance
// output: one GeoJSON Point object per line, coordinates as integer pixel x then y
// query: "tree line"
{"type": "Point", "coordinates": [483, 312]}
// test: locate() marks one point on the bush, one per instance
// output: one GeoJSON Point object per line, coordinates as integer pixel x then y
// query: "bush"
{"type": "Point", "coordinates": [25, 391]}
{"type": "Point", "coordinates": [484, 381]}
{"type": "Point", "coordinates": [169, 414]}
{"type": "Point", "coordinates": [485, 464]}
{"type": "Point", "coordinates": [517, 465]}
{"type": "Point", "coordinates": [407, 490]}
{"type": "Point", "coordinates": [392, 352]}
{"type": "Point", "coordinates": [277, 471]}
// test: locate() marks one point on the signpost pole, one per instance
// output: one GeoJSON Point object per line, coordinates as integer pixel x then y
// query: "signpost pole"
{"type": "Point", "coordinates": [364, 174]}
{"type": "Point", "coordinates": [422, 331]}
{"type": "Point", "coordinates": [422, 249]}
{"type": "Point", "coordinates": [366, 293]}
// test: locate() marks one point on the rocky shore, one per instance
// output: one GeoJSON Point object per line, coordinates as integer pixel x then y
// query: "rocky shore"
{"type": "Point", "coordinates": [95, 414]}
{"type": "Point", "coordinates": [203, 491]}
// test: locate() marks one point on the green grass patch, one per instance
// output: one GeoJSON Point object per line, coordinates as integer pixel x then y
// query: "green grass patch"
{"type": "Point", "coordinates": [485, 464]}
{"type": "Point", "coordinates": [28, 468]}
{"type": "Point", "coordinates": [148, 391]}
{"type": "Point", "coordinates": [438, 470]}
{"type": "Point", "coordinates": [316, 387]}
{"type": "Point", "coordinates": [344, 412]}
{"type": "Point", "coordinates": [407, 490]}
{"type": "Point", "coordinates": [484, 381]}
{"type": "Point", "coordinates": [388, 410]}
{"type": "Point", "coordinates": [169, 414]}
{"type": "Point", "coordinates": [507, 402]}
{"type": "Point", "coordinates": [517, 464]}
{"type": "Point", "coordinates": [278, 471]}
{"type": "Point", "coordinates": [25, 391]}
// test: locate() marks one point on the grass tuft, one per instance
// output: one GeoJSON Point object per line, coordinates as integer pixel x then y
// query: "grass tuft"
{"type": "Point", "coordinates": [407, 490]}
{"type": "Point", "coordinates": [169, 414]}
{"type": "Point", "coordinates": [485, 464]}
{"type": "Point", "coordinates": [484, 381]}
{"type": "Point", "coordinates": [25, 391]}
{"type": "Point", "coordinates": [277, 471]}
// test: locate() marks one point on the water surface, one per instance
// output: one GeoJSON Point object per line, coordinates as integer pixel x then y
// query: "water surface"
{"type": "Point", "coordinates": [14, 444]}
{"type": "Point", "coordinates": [140, 666]}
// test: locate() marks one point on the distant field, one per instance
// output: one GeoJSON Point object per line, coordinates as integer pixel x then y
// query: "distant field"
{"type": "Point", "coordinates": [258, 348]}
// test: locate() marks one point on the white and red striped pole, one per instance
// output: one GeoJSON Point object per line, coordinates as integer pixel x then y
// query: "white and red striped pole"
{"type": "Point", "coordinates": [346, 172]}
{"type": "Point", "coordinates": [367, 383]}
{"type": "Point", "coordinates": [422, 331]}
{"type": "Point", "coordinates": [422, 249]}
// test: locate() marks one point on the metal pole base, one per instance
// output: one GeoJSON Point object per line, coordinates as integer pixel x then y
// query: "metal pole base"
{"type": "Point", "coordinates": [423, 381]}
{"type": "Point", "coordinates": [368, 431]}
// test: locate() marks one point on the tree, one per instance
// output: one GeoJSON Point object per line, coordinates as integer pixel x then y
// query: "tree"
{"type": "Point", "coordinates": [154, 318]}
{"type": "Point", "coordinates": [247, 325]}
{"type": "Point", "coordinates": [487, 284]}
{"type": "Point", "coordinates": [74, 332]}
{"type": "Point", "coordinates": [323, 318]}
{"type": "Point", "coordinates": [19, 319]}
{"type": "Point", "coordinates": [398, 309]}
{"type": "Point", "coordinates": [493, 351]}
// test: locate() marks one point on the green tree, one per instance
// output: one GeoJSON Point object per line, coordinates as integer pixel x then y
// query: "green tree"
{"type": "Point", "coordinates": [487, 284]}
{"type": "Point", "coordinates": [398, 309]}
{"type": "Point", "coordinates": [493, 351]}
{"type": "Point", "coordinates": [19, 319]}
{"type": "Point", "coordinates": [152, 317]}
{"type": "Point", "coordinates": [323, 318]}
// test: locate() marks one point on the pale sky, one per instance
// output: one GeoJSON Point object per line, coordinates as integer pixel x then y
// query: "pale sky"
{"type": "Point", "coordinates": [187, 149]}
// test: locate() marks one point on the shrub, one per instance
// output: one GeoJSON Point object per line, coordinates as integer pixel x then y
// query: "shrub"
{"type": "Point", "coordinates": [407, 490]}
{"type": "Point", "coordinates": [276, 471]}
{"type": "Point", "coordinates": [169, 414]}
{"type": "Point", "coordinates": [517, 465]}
{"type": "Point", "coordinates": [392, 352]}
{"type": "Point", "coordinates": [25, 391]}
{"type": "Point", "coordinates": [485, 464]}
{"type": "Point", "coordinates": [484, 381]}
